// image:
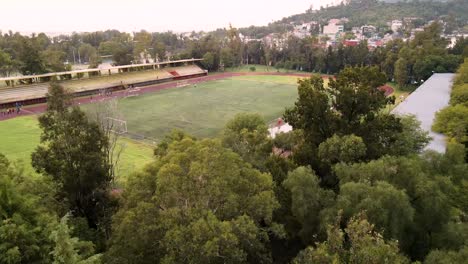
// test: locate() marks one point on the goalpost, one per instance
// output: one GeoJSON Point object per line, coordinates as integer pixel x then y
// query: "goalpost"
{"type": "Point", "coordinates": [117, 126]}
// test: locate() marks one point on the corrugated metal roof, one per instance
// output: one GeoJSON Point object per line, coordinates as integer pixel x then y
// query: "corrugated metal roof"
{"type": "Point", "coordinates": [425, 102]}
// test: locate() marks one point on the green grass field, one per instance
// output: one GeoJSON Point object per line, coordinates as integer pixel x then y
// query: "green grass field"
{"type": "Point", "coordinates": [203, 110]}
{"type": "Point", "coordinates": [20, 136]}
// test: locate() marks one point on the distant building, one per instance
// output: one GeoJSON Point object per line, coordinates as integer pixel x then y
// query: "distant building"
{"type": "Point", "coordinates": [275, 39]}
{"type": "Point", "coordinates": [368, 29]}
{"type": "Point", "coordinates": [351, 42]}
{"type": "Point", "coordinates": [396, 25]}
{"type": "Point", "coordinates": [332, 30]}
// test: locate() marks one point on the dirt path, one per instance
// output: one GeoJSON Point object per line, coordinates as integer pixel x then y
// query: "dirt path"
{"type": "Point", "coordinates": [37, 109]}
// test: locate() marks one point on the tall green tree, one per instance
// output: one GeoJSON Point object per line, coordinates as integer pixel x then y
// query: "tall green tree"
{"type": "Point", "coordinates": [307, 200]}
{"type": "Point", "coordinates": [195, 191]}
{"type": "Point", "coordinates": [363, 244]}
{"type": "Point", "coordinates": [351, 104]}
{"type": "Point", "coordinates": [73, 154]}
{"type": "Point", "coordinates": [247, 135]}
{"type": "Point", "coordinates": [24, 223]}
{"type": "Point", "coordinates": [70, 250]}
{"type": "Point", "coordinates": [401, 72]}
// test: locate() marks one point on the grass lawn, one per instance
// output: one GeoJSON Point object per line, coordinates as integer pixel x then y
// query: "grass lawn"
{"type": "Point", "coordinates": [20, 136]}
{"type": "Point", "coordinates": [399, 93]}
{"type": "Point", "coordinates": [203, 110]}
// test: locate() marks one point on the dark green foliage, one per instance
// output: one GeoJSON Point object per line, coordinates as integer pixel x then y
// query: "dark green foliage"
{"type": "Point", "coordinates": [196, 191]}
{"type": "Point", "coordinates": [24, 224]}
{"type": "Point", "coordinates": [359, 242]}
{"type": "Point", "coordinates": [73, 155]}
{"type": "Point", "coordinates": [247, 135]}
{"type": "Point", "coordinates": [447, 257]}
{"type": "Point", "coordinates": [351, 105]}
{"type": "Point", "coordinates": [307, 200]}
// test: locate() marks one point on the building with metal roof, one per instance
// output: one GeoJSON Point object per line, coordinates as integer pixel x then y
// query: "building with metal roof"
{"type": "Point", "coordinates": [431, 97]}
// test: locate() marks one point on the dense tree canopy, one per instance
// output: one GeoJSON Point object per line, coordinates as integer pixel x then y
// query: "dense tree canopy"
{"type": "Point", "coordinates": [196, 191]}
{"type": "Point", "coordinates": [73, 154]}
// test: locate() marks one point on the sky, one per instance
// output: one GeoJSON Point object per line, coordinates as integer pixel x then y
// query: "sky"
{"type": "Point", "coordinates": [152, 15]}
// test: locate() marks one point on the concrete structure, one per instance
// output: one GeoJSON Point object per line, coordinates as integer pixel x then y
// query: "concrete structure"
{"type": "Point", "coordinates": [36, 93]}
{"type": "Point", "coordinates": [332, 29]}
{"type": "Point", "coordinates": [425, 102]}
{"type": "Point", "coordinates": [284, 128]}
{"type": "Point", "coordinates": [396, 25]}
{"type": "Point", "coordinates": [79, 74]}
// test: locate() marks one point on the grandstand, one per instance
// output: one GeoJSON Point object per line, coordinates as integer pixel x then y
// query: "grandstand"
{"type": "Point", "coordinates": [139, 76]}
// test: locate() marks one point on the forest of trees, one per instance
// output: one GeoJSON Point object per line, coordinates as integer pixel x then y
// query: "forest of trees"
{"type": "Point", "coordinates": [223, 48]}
{"type": "Point", "coordinates": [357, 188]}
{"type": "Point", "coordinates": [350, 184]}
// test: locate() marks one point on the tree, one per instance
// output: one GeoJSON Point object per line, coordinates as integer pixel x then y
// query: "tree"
{"type": "Point", "coordinates": [87, 53]}
{"type": "Point", "coordinates": [7, 65]}
{"type": "Point", "coordinates": [142, 41]}
{"type": "Point", "coordinates": [412, 139]}
{"type": "Point", "coordinates": [227, 58]}
{"type": "Point", "coordinates": [453, 121]}
{"type": "Point", "coordinates": [159, 51]}
{"type": "Point", "coordinates": [197, 191]}
{"type": "Point", "coordinates": [426, 181]}
{"type": "Point", "coordinates": [342, 149]}
{"type": "Point", "coordinates": [247, 135]}
{"type": "Point", "coordinates": [73, 155]}
{"type": "Point", "coordinates": [385, 206]}
{"type": "Point", "coordinates": [53, 60]}
{"type": "Point", "coordinates": [351, 104]}
{"type": "Point", "coordinates": [208, 61]}
{"type": "Point", "coordinates": [401, 72]}
{"type": "Point", "coordinates": [24, 224]}
{"type": "Point", "coordinates": [447, 257]}
{"type": "Point", "coordinates": [307, 200]}
{"type": "Point", "coordinates": [69, 249]}
{"type": "Point", "coordinates": [30, 59]}
{"type": "Point", "coordinates": [366, 245]}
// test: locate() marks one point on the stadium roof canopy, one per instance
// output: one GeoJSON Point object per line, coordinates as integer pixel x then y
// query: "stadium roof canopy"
{"type": "Point", "coordinates": [431, 97]}
{"type": "Point", "coordinates": [25, 77]}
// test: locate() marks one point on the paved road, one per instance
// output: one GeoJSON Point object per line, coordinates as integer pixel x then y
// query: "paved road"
{"type": "Point", "coordinates": [37, 109]}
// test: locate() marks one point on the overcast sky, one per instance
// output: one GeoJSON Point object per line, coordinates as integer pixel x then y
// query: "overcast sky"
{"type": "Point", "coordinates": [152, 15]}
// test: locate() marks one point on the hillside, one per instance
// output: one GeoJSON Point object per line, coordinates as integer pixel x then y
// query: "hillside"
{"type": "Point", "coordinates": [361, 12]}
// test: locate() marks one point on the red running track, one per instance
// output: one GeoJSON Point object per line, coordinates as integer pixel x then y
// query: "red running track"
{"type": "Point", "coordinates": [37, 109]}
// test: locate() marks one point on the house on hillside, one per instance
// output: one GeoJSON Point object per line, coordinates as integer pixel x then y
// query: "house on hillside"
{"type": "Point", "coordinates": [333, 30]}
{"type": "Point", "coordinates": [351, 42]}
{"type": "Point", "coordinates": [396, 25]}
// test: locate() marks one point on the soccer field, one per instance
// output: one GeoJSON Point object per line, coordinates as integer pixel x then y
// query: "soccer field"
{"type": "Point", "coordinates": [204, 109]}
{"type": "Point", "coordinates": [20, 136]}
{"type": "Point", "coordinates": [200, 110]}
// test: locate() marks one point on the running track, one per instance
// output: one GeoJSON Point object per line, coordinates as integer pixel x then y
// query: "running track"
{"type": "Point", "coordinates": [38, 109]}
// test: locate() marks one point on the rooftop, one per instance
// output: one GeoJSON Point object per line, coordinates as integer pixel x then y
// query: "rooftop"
{"type": "Point", "coordinates": [431, 97]}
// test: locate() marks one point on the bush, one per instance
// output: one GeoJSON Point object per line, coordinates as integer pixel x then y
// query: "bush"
{"type": "Point", "coordinates": [459, 94]}
{"type": "Point", "coordinates": [453, 121]}
{"type": "Point", "coordinates": [252, 68]}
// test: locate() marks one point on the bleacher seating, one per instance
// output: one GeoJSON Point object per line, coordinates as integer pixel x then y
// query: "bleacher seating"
{"type": "Point", "coordinates": [82, 86]}
{"type": "Point", "coordinates": [186, 70]}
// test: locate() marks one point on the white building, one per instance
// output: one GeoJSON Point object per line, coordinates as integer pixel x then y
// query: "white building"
{"type": "Point", "coordinates": [331, 30]}
{"type": "Point", "coordinates": [396, 25]}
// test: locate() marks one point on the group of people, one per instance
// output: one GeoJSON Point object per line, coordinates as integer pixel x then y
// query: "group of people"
{"type": "Point", "coordinates": [11, 111]}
